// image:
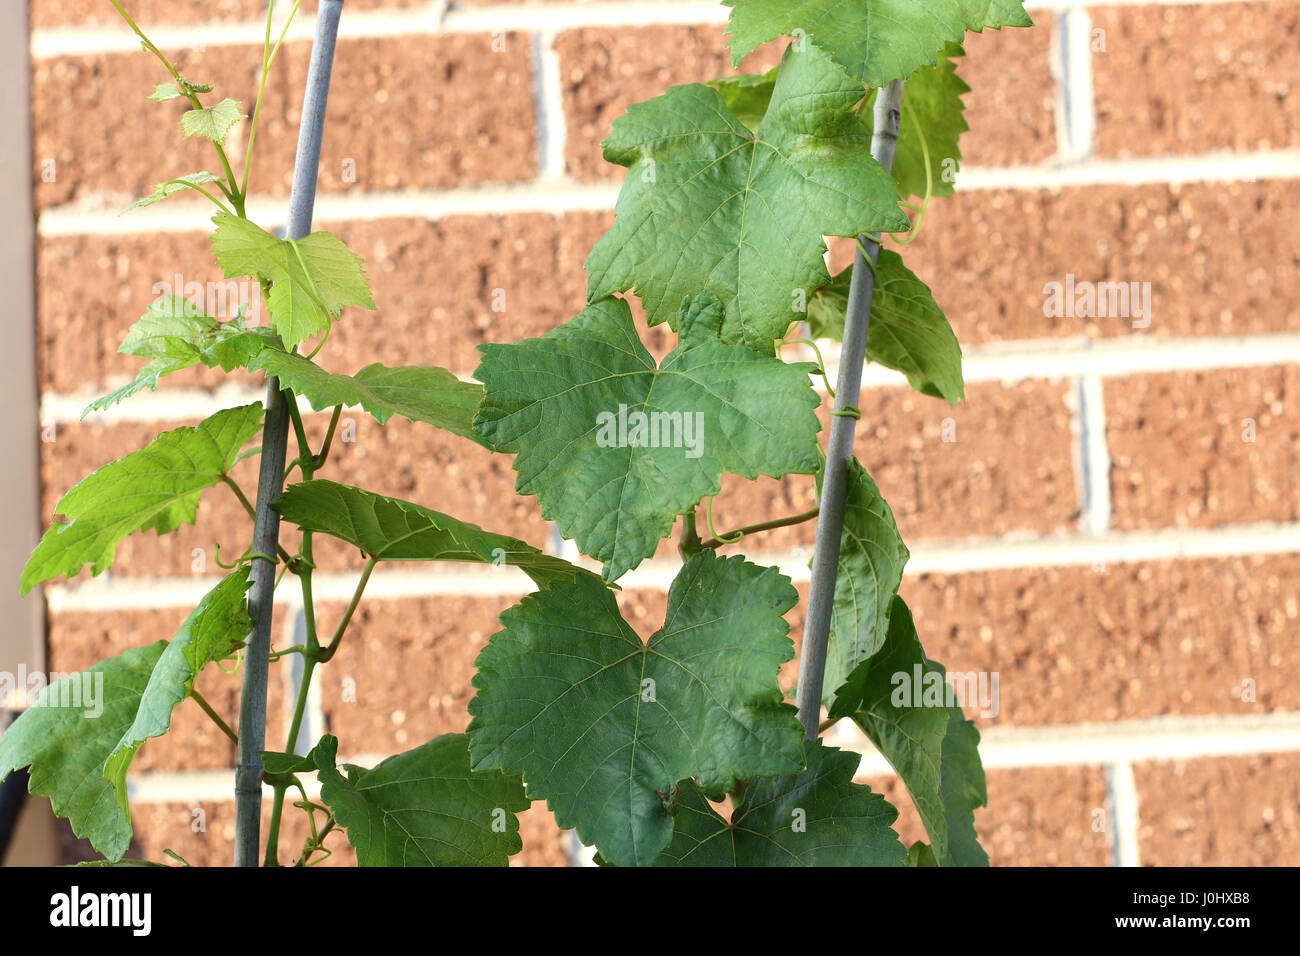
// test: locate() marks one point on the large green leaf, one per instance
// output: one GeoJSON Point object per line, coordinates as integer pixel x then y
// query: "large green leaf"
{"type": "Point", "coordinates": [875, 40]}
{"type": "Point", "coordinates": [601, 724]}
{"type": "Point", "coordinates": [394, 530]}
{"type": "Point", "coordinates": [420, 393]}
{"type": "Point", "coordinates": [870, 569]}
{"type": "Point", "coordinates": [424, 807]}
{"type": "Point", "coordinates": [81, 733]}
{"type": "Point", "coordinates": [908, 331]}
{"type": "Point", "coordinates": [312, 279]}
{"type": "Point", "coordinates": [157, 487]}
{"type": "Point", "coordinates": [66, 750]}
{"type": "Point", "coordinates": [175, 334]}
{"type": "Point", "coordinates": [560, 403]}
{"type": "Point", "coordinates": [710, 206]}
{"type": "Point", "coordinates": [902, 703]}
{"type": "Point", "coordinates": [818, 817]}
{"type": "Point", "coordinates": [214, 631]}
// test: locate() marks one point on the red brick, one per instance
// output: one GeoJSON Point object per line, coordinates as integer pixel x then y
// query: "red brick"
{"type": "Point", "coordinates": [1222, 811]}
{"type": "Point", "coordinates": [407, 112]}
{"type": "Point", "coordinates": [1074, 645]}
{"type": "Point", "coordinates": [1191, 79]}
{"type": "Point", "coordinates": [1180, 454]}
{"type": "Point", "coordinates": [1010, 106]}
{"type": "Point", "coordinates": [147, 13]}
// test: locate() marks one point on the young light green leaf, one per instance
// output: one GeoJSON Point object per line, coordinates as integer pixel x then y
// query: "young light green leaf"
{"type": "Point", "coordinates": [874, 40]}
{"type": "Point", "coordinates": [175, 334]}
{"type": "Point", "coordinates": [598, 721]}
{"type": "Point", "coordinates": [157, 487]}
{"type": "Point", "coordinates": [907, 332]}
{"type": "Point", "coordinates": [425, 807]}
{"type": "Point", "coordinates": [818, 817]}
{"type": "Point", "coordinates": [66, 749]}
{"type": "Point", "coordinates": [162, 92]}
{"type": "Point", "coordinates": [180, 184]}
{"type": "Point", "coordinates": [420, 393]}
{"type": "Point", "coordinates": [924, 736]}
{"type": "Point", "coordinates": [870, 569]}
{"type": "Point", "coordinates": [1007, 13]}
{"type": "Point", "coordinates": [312, 279]}
{"type": "Point", "coordinates": [212, 122]}
{"type": "Point", "coordinates": [214, 631]}
{"type": "Point", "coordinates": [615, 448]}
{"type": "Point", "coordinates": [709, 206]}
{"type": "Point", "coordinates": [390, 529]}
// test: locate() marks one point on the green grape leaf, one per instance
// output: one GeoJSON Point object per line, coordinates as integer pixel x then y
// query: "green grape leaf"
{"type": "Point", "coordinates": [908, 331]}
{"type": "Point", "coordinates": [390, 529]}
{"type": "Point", "coordinates": [1006, 13]}
{"type": "Point", "coordinates": [870, 569]}
{"type": "Point", "coordinates": [709, 206]}
{"type": "Point", "coordinates": [921, 854]}
{"type": "Point", "coordinates": [598, 721]}
{"type": "Point", "coordinates": [214, 631]}
{"type": "Point", "coordinates": [932, 98]}
{"type": "Point", "coordinates": [424, 807]}
{"type": "Point", "coordinates": [162, 92]}
{"type": "Point", "coordinates": [615, 448]}
{"type": "Point", "coordinates": [80, 734]}
{"type": "Point", "coordinates": [908, 711]}
{"type": "Point", "coordinates": [874, 40]}
{"type": "Point", "coordinates": [156, 488]}
{"type": "Point", "coordinates": [419, 393]}
{"type": "Point", "coordinates": [174, 334]}
{"type": "Point", "coordinates": [818, 817]}
{"type": "Point", "coordinates": [747, 95]}
{"type": "Point", "coordinates": [162, 190]}
{"type": "Point", "coordinates": [312, 279]}
{"type": "Point", "coordinates": [212, 122]}
{"type": "Point", "coordinates": [66, 749]}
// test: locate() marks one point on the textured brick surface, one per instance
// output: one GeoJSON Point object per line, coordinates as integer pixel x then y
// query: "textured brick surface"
{"type": "Point", "coordinates": [1206, 249]}
{"type": "Point", "coordinates": [147, 13]}
{"type": "Point", "coordinates": [1204, 448]}
{"type": "Point", "coordinates": [1009, 107]}
{"type": "Point", "coordinates": [1188, 79]}
{"type": "Point", "coordinates": [1136, 640]}
{"type": "Point", "coordinates": [1225, 811]}
{"type": "Point", "coordinates": [403, 130]}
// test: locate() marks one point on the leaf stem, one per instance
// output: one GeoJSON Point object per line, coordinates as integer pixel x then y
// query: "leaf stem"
{"type": "Point", "coordinates": [721, 539]}
{"type": "Point", "coordinates": [333, 646]}
{"type": "Point", "coordinates": [216, 718]}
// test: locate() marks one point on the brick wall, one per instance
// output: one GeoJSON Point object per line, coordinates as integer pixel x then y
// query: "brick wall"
{"type": "Point", "coordinates": [1099, 533]}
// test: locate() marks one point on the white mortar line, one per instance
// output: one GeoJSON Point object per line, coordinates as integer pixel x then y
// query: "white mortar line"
{"type": "Point", "coordinates": [1005, 362]}
{"type": "Point", "coordinates": [1071, 66]}
{"type": "Point", "coordinates": [100, 216]}
{"type": "Point", "coordinates": [548, 92]}
{"type": "Point", "coordinates": [1124, 820]}
{"type": "Point", "coordinates": [1157, 739]}
{"type": "Point", "coordinates": [1012, 552]}
{"type": "Point", "coordinates": [436, 17]}
{"type": "Point", "coordinates": [1095, 456]}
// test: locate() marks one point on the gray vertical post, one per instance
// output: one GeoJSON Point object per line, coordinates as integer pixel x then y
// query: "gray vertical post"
{"type": "Point", "coordinates": [839, 446]}
{"type": "Point", "coordinates": [266, 525]}
{"type": "Point", "coordinates": [22, 637]}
